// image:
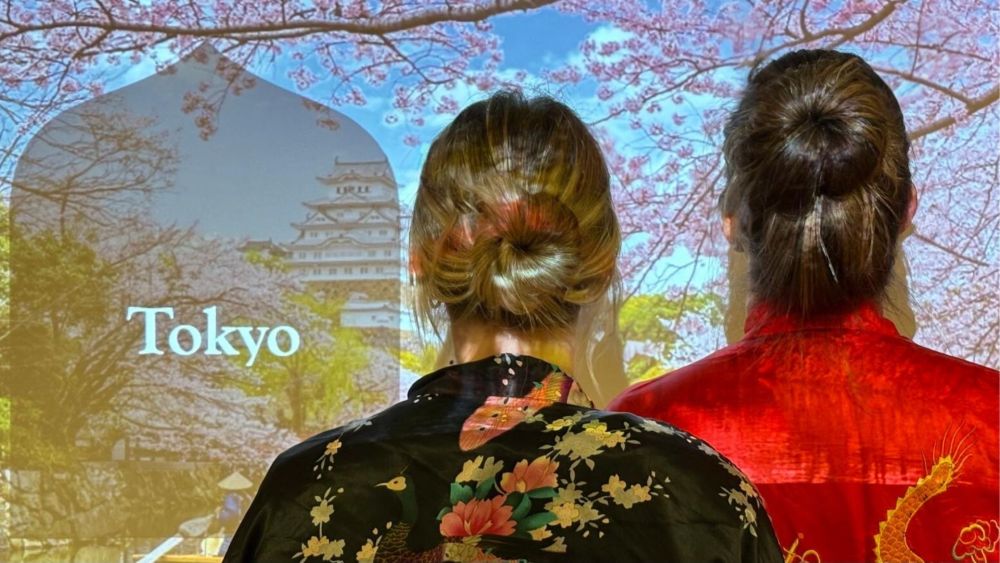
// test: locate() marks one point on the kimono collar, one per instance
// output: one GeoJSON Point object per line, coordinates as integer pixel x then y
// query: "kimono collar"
{"type": "Point", "coordinates": [764, 319]}
{"type": "Point", "coordinates": [503, 375]}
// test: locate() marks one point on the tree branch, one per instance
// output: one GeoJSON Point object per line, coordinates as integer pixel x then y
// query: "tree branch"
{"type": "Point", "coordinates": [359, 26]}
{"type": "Point", "coordinates": [973, 106]}
{"type": "Point", "coordinates": [846, 34]}
{"type": "Point", "coordinates": [910, 77]}
{"type": "Point", "coordinates": [953, 252]}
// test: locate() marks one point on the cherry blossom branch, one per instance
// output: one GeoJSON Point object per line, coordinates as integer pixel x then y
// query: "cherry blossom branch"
{"type": "Point", "coordinates": [928, 240]}
{"type": "Point", "coordinates": [286, 28]}
{"type": "Point", "coordinates": [971, 107]}
{"type": "Point", "coordinates": [843, 35]}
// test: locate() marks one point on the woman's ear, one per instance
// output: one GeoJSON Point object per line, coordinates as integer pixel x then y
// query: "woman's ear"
{"type": "Point", "coordinates": [414, 265]}
{"type": "Point", "coordinates": [727, 227]}
{"type": "Point", "coordinates": [911, 210]}
{"type": "Point", "coordinates": [731, 229]}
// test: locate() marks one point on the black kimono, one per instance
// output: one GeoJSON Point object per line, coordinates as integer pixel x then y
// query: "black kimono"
{"type": "Point", "coordinates": [503, 459]}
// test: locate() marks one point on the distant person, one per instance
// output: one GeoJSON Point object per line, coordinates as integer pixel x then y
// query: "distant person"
{"type": "Point", "coordinates": [501, 455]}
{"type": "Point", "coordinates": [865, 446]}
{"type": "Point", "coordinates": [235, 500]}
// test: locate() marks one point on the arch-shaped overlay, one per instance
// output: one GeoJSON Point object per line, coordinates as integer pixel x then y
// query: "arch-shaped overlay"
{"type": "Point", "coordinates": [211, 192]}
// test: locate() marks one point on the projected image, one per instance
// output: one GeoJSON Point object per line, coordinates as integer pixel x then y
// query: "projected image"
{"type": "Point", "coordinates": [198, 297]}
{"type": "Point", "coordinates": [206, 212]}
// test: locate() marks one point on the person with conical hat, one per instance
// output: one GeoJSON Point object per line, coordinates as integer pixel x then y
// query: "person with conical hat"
{"type": "Point", "coordinates": [235, 482]}
{"type": "Point", "coordinates": [234, 503]}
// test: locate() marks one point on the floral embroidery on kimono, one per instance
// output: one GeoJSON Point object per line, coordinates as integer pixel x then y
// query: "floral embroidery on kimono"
{"type": "Point", "coordinates": [503, 459]}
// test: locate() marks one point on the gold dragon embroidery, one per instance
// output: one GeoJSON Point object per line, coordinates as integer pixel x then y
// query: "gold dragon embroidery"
{"type": "Point", "coordinates": [890, 541]}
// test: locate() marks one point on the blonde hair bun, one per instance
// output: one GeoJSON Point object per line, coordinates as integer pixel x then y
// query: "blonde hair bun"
{"type": "Point", "coordinates": [514, 222]}
{"type": "Point", "coordinates": [524, 256]}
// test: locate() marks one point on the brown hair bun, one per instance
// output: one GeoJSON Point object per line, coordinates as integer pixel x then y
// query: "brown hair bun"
{"type": "Point", "coordinates": [818, 180]}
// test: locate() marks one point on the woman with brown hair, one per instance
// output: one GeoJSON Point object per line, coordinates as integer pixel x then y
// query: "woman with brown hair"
{"type": "Point", "coordinates": [865, 446]}
{"type": "Point", "coordinates": [501, 455]}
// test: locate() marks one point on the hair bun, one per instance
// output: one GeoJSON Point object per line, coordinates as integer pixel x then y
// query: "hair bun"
{"type": "Point", "coordinates": [837, 148]}
{"type": "Point", "coordinates": [831, 143]}
{"type": "Point", "coordinates": [528, 250]}
{"type": "Point", "coordinates": [818, 180]}
{"type": "Point", "coordinates": [514, 224]}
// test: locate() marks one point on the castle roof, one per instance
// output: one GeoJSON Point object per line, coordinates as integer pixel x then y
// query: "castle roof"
{"type": "Point", "coordinates": [359, 170]}
{"type": "Point", "coordinates": [344, 240]}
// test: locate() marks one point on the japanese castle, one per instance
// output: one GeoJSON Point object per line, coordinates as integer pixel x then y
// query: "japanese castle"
{"type": "Point", "coordinates": [350, 239]}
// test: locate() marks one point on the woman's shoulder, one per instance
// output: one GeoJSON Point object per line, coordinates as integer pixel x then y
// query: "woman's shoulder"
{"type": "Point", "coordinates": [690, 468]}
{"type": "Point", "coordinates": [347, 443]}
{"type": "Point", "coordinates": [654, 397]}
{"type": "Point", "coordinates": [927, 358]}
{"type": "Point", "coordinates": [553, 474]}
{"type": "Point", "coordinates": [661, 442]}
{"type": "Point", "coordinates": [908, 366]}
{"type": "Point", "coordinates": [644, 442]}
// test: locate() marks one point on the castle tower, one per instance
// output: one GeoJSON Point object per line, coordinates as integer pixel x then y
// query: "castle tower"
{"type": "Point", "coordinates": [348, 245]}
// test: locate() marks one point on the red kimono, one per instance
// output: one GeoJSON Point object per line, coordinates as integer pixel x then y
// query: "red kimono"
{"type": "Point", "coordinates": [864, 445]}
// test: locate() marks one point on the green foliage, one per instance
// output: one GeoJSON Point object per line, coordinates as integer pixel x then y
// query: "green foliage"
{"type": "Point", "coordinates": [271, 261]}
{"type": "Point", "coordinates": [4, 429]}
{"type": "Point", "coordinates": [420, 362]}
{"type": "Point", "coordinates": [651, 318]}
{"type": "Point", "coordinates": [522, 508]}
{"type": "Point", "coordinates": [70, 284]}
{"type": "Point", "coordinates": [459, 493]}
{"type": "Point", "coordinates": [4, 264]}
{"type": "Point", "coordinates": [317, 386]}
{"type": "Point", "coordinates": [4, 324]}
{"type": "Point", "coordinates": [484, 487]}
{"type": "Point", "coordinates": [63, 290]}
{"type": "Point", "coordinates": [642, 367]}
{"type": "Point", "coordinates": [4, 415]}
{"type": "Point", "coordinates": [544, 492]}
{"type": "Point", "coordinates": [643, 318]}
{"type": "Point", "coordinates": [535, 521]}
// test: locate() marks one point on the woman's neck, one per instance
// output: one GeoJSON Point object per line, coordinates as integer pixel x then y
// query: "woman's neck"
{"type": "Point", "coordinates": [475, 340]}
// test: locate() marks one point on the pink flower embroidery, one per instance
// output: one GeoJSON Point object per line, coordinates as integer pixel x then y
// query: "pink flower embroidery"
{"type": "Point", "coordinates": [477, 518]}
{"type": "Point", "coordinates": [527, 477]}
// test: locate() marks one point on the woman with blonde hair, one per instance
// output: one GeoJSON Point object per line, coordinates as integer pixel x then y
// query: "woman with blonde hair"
{"type": "Point", "coordinates": [865, 445]}
{"type": "Point", "coordinates": [501, 455]}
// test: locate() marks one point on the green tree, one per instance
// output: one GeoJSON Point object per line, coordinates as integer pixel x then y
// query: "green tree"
{"type": "Point", "coordinates": [69, 360]}
{"type": "Point", "coordinates": [420, 361]}
{"type": "Point", "coordinates": [655, 320]}
{"type": "Point", "coordinates": [4, 326]}
{"type": "Point", "coordinates": [322, 383]}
